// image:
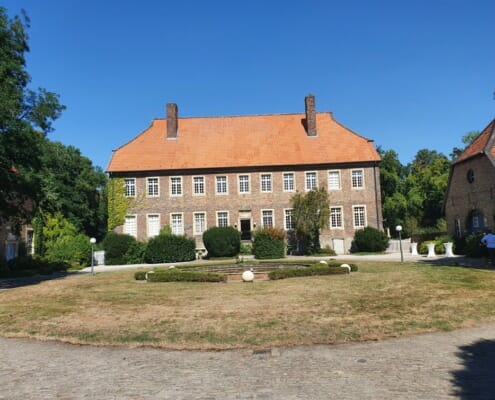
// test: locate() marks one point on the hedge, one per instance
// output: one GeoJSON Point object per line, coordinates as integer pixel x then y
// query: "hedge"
{"type": "Point", "coordinates": [176, 275]}
{"type": "Point", "coordinates": [370, 239]}
{"type": "Point", "coordinates": [222, 241]}
{"type": "Point", "coordinates": [170, 248]}
{"type": "Point", "coordinates": [30, 266]}
{"type": "Point", "coordinates": [314, 270]}
{"type": "Point", "coordinates": [116, 246]}
{"type": "Point", "coordinates": [269, 243]}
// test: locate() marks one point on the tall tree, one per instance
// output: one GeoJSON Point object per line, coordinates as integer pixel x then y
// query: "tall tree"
{"type": "Point", "coordinates": [310, 213]}
{"type": "Point", "coordinates": [26, 116]}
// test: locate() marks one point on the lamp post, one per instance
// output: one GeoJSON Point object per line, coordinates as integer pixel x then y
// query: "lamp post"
{"type": "Point", "coordinates": [398, 228]}
{"type": "Point", "coordinates": [92, 241]}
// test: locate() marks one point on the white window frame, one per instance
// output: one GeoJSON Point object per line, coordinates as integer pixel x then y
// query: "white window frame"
{"type": "Point", "coordinates": [125, 228]}
{"type": "Point", "coordinates": [293, 181]}
{"type": "Point", "coordinates": [263, 218]}
{"type": "Point", "coordinates": [203, 185]}
{"type": "Point", "coordinates": [354, 216]}
{"type": "Point", "coordinates": [148, 233]}
{"type": "Point", "coordinates": [248, 183]}
{"type": "Point", "coordinates": [172, 186]}
{"type": "Point", "coordinates": [357, 187]}
{"type": "Point", "coordinates": [130, 187]}
{"type": "Point", "coordinates": [181, 226]}
{"type": "Point", "coordinates": [157, 187]}
{"type": "Point", "coordinates": [287, 228]}
{"type": "Point", "coordinates": [226, 185]}
{"type": "Point", "coordinates": [268, 184]}
{"type": "Point", "coordinates": [330, 187]}
{"type": "Point", "coordinates": [306, 174]}
{"type": "Point", "coordinates": [205, 227]}
{"type": "Point", "coordinates": [341, 215]}
{"type": "Point", "coordinates": [227, 218]}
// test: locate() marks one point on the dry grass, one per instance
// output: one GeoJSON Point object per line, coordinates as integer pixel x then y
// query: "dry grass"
{"type": "Point", "coordinates": [380, 301]}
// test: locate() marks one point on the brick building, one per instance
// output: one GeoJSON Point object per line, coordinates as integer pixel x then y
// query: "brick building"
{"type": "Point", "coordinates": [241, 171]}
{"type": "Point", "coordinates": [470, 199]}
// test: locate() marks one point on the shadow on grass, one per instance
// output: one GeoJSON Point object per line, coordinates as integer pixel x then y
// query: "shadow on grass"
{"type": "Point", "coordinates": [475, 381]}
{"type": "Point", "coordinates": [478, 263]}
{"type": "Point", "coordinates": [11, 283]}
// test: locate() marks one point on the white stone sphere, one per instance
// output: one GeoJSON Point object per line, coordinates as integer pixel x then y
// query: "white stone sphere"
{"type": "Point", "coordinates": [346, 266]}
{"type": "Point", "coordinates": [247, 276]}
{"type": "Point", "coordinates": [323, 262]}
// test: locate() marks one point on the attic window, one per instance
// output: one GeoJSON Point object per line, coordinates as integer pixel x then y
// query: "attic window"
{"type": "Point", "coordinates": [470, 176]}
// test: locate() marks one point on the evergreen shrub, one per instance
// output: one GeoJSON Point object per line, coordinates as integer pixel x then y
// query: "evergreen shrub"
{"type": "Point", "coordinates": [176, 275]}
{"type": "Point", "coordinates": [116, 246]}
{"type": "Point", "coordinates": [370, 239]}
{"type": "Point", "coordinates": [313, 270]}
{"type": "Point", "coordinates": [222, 242]}
{"type": "Point", "coordinates": [473, 247]}
{"type": "Point", "coordinates": [170, 248]}
{"type": "Point", "coordinates": [269, 243]}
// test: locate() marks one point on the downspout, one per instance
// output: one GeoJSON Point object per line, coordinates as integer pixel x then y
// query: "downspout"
{"type": "Point", "coordinates": [378, 223]}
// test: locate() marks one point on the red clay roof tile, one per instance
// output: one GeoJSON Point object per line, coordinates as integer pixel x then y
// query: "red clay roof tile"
{"type": "Point", "coordinates": [479, 144]}
{"type": "Point", "coordinates": [241, 141]}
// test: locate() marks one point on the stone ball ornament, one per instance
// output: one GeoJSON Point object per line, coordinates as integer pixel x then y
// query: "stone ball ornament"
{"type": "Point", "coordinates": [247, 276]}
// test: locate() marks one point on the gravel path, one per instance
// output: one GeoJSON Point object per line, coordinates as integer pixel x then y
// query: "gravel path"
{"type": "Point", "coordinates": [454, 365]}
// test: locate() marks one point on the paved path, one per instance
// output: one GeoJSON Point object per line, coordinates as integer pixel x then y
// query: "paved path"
{"type": "Point", "coordinates": [454, 365]}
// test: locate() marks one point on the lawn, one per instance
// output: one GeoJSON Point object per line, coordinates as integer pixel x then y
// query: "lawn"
{"type": "Point", "coordinates": [380, 301]}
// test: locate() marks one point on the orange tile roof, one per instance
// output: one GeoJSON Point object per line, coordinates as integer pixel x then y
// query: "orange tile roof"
{"type": "Point", "coordinates": [479, 145]}
{"type": "Point", "coordinates": [241, 141]}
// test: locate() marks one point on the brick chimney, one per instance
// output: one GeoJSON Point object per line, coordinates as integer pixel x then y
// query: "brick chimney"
{"type": "Point", "coordinates": [172, 120]}
{"type": "Point", "coordinates": [309, 101]}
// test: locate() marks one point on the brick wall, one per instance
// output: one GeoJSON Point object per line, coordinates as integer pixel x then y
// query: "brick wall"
{"type": "Point", "coordinates": [464, 197]}
{"type": "Point", "coordinates": [255, 201]}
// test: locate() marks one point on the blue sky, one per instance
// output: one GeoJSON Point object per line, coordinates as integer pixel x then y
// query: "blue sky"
{"type": "Point", "coordinates": [407, 74]}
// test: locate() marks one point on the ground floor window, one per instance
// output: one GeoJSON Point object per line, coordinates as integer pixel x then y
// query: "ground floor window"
{"type": "Point", "coordinates": [130, 225]}
{"type": "Point", "coordinates": [359, 213]}
{"type": "Point", "coordinates": [222, 219]}
{"type": "Point", "coordinates": [336, 217]}
{"type": "Point", "coordinates": [199, 223]}
{"type": "Point", "coordinates": [177, 224]}
{"type": "Point", "coordinates": [267, 218]}
{"type": "Point", "coordinates": [153, 225]}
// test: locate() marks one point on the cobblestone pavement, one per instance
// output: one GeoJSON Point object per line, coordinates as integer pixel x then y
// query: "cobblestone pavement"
{"type": "Point", "coordinates": [454, 365]}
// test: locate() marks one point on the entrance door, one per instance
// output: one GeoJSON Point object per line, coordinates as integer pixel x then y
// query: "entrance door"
{"type": "Point", "coordinates": [338, 246]}
{"type": "Point", "coordinates": [245, 229]}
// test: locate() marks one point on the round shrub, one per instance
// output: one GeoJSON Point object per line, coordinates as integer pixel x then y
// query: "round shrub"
{"type": "Point", "coordinates": [269, 243]}
{"type": "Point", "coordinates": [116, 246]}
{"type": "Point", "coordinates": [222, 242]}
{"type": "Point", "coordinates": [473, 246]}
{"type": "Point", "coordinates": [370, 239]}
{"type": "Point", "coordinates": [170, 248]}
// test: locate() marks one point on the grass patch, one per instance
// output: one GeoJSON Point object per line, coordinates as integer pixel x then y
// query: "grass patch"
{"type": "Point", "coordinates": [381, 300]}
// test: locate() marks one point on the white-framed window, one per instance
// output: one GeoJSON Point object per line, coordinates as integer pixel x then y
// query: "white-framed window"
{"type": "Point", "coordinates": [130, 187]}
{"type": "Point", "coordinates": [198, 185]}
{"type": "Point", "coordinates": [222, 184]}
{"type": "Point", "coordinates": [222, 219]}
{"type": "Point", "coordinates": [357, 178]}
{"type": "Point", "coordinates": [199, 223]}
{"type": "Point", "coordinates": [243, 183]}
{"type": "Point", "coordinates": [177, 223]}
{"type": "Point", "coordinates": [153, 225]}
{"type": "Point", "coordinates": [334, 180]}
{"type": "Point", "coordinates": [152, 187]}
{"type": "Point", "coordinates": [476, 221]}
{"type": "Point", "coordinates": [336, 220]}
{"type": "Point", "coordinates": [267, 218]}
{"type": "Point", "coordinates": [130, 225]}
{"type": "Point", "coordinates": [289, 181]}
{"type": "Point", "coordinates": [266, 183]}
{"type": "Point", "coordinates": [288, 220]}
{"type": "Point", "coordinates": [359, 216]}
{"type": "Point", "coordinates": [176, 186]}
{"type": "Point", "coordinates": [311, 181]}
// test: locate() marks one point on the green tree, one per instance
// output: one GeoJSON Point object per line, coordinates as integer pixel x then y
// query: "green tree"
{"type": "Point", "coordinates": [71, 185]}
{"type": "Point", "coordinates": [25, 117]}
{"type": "Point", "coordinates": [310, 213]}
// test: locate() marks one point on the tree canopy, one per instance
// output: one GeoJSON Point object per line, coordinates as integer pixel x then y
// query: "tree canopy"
{"type": "Point", "coordinates": [26, 116]}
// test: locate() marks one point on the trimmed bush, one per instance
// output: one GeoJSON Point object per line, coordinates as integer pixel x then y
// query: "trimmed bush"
{"type": "Point", "coordinates": [222, 242]}
{"type": "Point", "coordinates": [30, 266]}
{"type": "Point", "coordinates": [170, 248]}
{"type": "Point", "coordinates": [75, 249]}
{"type": "Point", "coordinates": [135, 253]}
{"type": "Point", "coordinates": [269, 243]}
{"type": "Point", "coordinates": [473, 246]}
{"type": "Point", "coordinates": [370, 239]}
{"type": "Point", "coordinates": [176, 275]}
{"type": "Point", "coordinates": [314, 270]}
{"type": "Point", "coordinates": [116, 246]}
{"type": "Point", "coordinates": [246, 249]}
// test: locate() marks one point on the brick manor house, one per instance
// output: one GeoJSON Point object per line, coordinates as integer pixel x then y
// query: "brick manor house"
{"type": "Point", "coordinates": [241, 171]}
{"type": "Point", "coordinates": [470, 200]}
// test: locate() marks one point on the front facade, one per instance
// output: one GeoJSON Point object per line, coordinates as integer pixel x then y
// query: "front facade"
{"type": "Point", "coordinates": [470, 199]}
{"type": "Point", "coordinates": [195, 173]}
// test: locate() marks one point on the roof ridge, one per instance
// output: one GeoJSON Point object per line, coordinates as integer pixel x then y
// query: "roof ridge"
{"type": "Point", "coordinates": [484, 135]}
{"type": "Point", "coordinates": [244, 115]}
